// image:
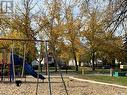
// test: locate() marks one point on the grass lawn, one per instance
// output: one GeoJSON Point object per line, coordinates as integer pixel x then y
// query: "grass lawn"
{"type": "Point", "coordinates": [89, 74]}
{"type": "Point", "coordinates": [107, 79]}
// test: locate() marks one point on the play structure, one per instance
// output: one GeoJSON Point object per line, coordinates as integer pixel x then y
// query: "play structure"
{"type": "Point", "coordinates": [10, 61]}
{"type": "Point", "coordinates": [6, 66]}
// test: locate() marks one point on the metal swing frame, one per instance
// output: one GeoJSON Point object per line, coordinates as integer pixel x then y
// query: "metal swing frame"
{"type": "Point", "coordinates": [46, 50]}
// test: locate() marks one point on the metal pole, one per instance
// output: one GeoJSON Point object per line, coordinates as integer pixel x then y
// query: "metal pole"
{"type": "Point", "coordinates": [37, 83]}
{"type": "Point", "coordinates": [49, 81]}
{"type": "Point", "coordinates": [61, 75]}
{"type": "Point", "coordinates": [39, 71]}
{"type": "Point", "coordinates": [24, 56]}
{"type": "Point", "coordinates": [65, 87]}
{"type": "Point", "coordinates": [3, 67]}
{"type": "Point", "coordinates": [12, 56]}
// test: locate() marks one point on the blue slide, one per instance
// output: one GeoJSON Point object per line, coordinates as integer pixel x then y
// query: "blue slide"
{"type": "Point", "coordinates": [31, 71]}
{"type": "Point", "coordinates": [28, 68]}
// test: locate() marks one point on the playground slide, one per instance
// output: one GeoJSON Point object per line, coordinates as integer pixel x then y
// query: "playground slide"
{"type": "Point", "coordinates": [31, 71]}
{"type": "Point", "coordinates": [28, 68]}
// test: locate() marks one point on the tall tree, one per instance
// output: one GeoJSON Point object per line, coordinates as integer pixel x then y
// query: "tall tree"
{"type": "Point", "coordinates": [72, 27]}
{"type": "Point", "coordinates": [22, 21]}
{"type": "Point", "coordinates": [51, 25]}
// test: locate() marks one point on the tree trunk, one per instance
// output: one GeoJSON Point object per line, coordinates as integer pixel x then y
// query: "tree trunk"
{"type": "Point", "coordinates": [54, 54]}
{"type": "Point", "coordinates": [93, 59]}
{"type": "Point", "coordinates": [55, 64]}
{"type": "Point", "coordinates": [76, 64]}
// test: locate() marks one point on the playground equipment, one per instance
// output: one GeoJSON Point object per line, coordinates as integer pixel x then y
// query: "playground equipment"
{"type": "Point", "coordinates": [17, 60]}
{"type": "Point", "coordinates": [18, 82]}
{"type": "Point", "coordinates": [27, 68]}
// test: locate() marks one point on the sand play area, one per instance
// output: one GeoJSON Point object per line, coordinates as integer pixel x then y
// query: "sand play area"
{"type": "Point", "coordinates": [74, 88]}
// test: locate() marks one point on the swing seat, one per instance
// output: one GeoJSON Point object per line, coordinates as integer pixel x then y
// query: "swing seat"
{"type": "Point", "coordinates": [18, 83]}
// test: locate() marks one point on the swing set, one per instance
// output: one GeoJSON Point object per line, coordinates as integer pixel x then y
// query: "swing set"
{"type": "Point", "coordinates": [8, 64]}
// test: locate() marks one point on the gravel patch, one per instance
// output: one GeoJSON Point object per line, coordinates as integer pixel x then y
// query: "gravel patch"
{"type": "Point", "coordinates": [74, 88]}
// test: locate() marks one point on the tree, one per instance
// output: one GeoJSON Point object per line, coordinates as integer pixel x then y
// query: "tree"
{"type": "Point", "coordinates": [101, 43]}
{"type": "Point", "coordinates": [73, 28]}
{"type": "Point", "coordinates": [22, 21]}
{"type": "Point", "coordinates": [51, 25]}
{"type": "Point", "coordinates": [119, 10]}
{"type": "Point", "coordinates": [93, 34]}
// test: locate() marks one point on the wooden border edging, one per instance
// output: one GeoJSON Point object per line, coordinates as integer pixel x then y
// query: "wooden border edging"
{"type": "Point", "coordinates": [102, 83]}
